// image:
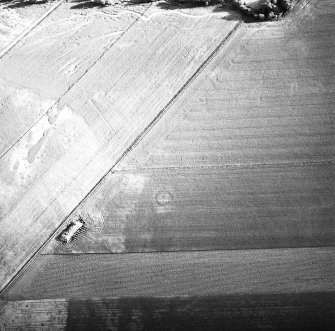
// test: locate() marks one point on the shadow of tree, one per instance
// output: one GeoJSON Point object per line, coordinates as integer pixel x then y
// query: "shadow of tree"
{"type": "Point", "coordinates": [168, 4]}
{"type": "Point", "coordinates": [85, 4]}
{"type": "Point", "coordinates": [214, 5]}
{"type": "Point", "coordinates": [81, 4]}
{"type": "Point", "coordinates": [23, 3]}
{"type": "Point", "coordinates": [233, 8]}
{"type": "Point", "coordinates": [175, 4]}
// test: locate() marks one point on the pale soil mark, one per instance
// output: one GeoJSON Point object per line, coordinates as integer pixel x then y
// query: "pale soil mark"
{"type": "Point", "coordinates": [13, 16]}
{"type": "Point", "coordinates": [52, 58]}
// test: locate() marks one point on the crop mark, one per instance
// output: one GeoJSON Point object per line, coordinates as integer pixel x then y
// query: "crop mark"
{"type": "Point", "coordinates": [95, 106]}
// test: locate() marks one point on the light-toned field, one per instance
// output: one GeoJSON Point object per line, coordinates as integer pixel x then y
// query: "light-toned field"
{"type": "Point", "coordinates": [51, 59]}
{"type": "Point", "coordinates": [198, 147]}
{"type": "Point", "coordinates": [18, 17]}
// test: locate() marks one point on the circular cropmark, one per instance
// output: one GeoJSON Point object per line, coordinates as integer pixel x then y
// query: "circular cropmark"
{"type": "Point", "coordinates": [164, 198]}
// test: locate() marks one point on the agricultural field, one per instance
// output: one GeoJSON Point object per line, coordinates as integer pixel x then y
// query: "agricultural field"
{"type": "Point", "coordinates": [197, 145]}
{"type": "Point", "coordinates": [17, 19]}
